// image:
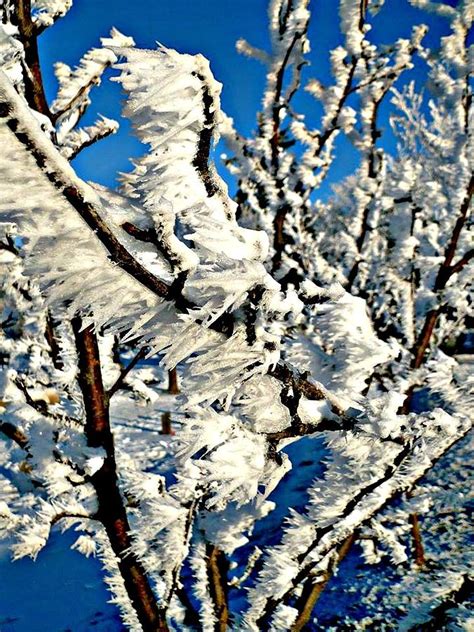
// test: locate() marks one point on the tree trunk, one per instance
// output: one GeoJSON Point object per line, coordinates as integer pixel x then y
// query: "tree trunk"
{"type": "Point", "coordinates": [111, 512]}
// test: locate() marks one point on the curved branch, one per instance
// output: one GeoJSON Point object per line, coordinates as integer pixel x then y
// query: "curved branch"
{"type": "Point", "coordinates": [56, 169]}
{"type": "Point", "coordinates": [91, 141]}
{"type": "Point", "coordinates": [83, 90]}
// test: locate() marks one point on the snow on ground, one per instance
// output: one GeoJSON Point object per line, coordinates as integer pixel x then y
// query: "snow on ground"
{"type": "Point", "coordinates": [62, 590]}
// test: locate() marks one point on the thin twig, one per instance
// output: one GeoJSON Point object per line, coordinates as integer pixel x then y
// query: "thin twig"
{"type": "Point", "coordinates": [50, 335]}
{"type": "Point", "coordinates": [118, 384]}
{"type": "Point", "coordinates": [313, 587]}
{"type": "Point", "coordinates": [83, 90]}
{"type": "Point", "coordinates": [42, 407]}
{"type": "Point", "coordinates": [463, 261]}
{"type": "Point", "coordinates": [65, 514]}
{"type": "Point", "coordinates": [9, 246]}
{"type": "Point", "coordinates": [91, 141]}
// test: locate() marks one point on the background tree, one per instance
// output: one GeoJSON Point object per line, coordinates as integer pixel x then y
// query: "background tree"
{"type": "Point", "coordinates": [272, 348]}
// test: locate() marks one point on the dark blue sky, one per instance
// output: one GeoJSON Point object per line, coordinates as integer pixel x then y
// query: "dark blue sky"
{"type": "Point", "coordinates": [210, 27]}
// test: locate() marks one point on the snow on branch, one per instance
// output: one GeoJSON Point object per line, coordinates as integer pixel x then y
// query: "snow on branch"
{"type": "Point", "coordinates": [75, 85]}
{"type": "Point", "coordinates": [336, 509]}
{"type": "Point", "coordinates": [46, 12]}
{"type": "Point", "coordinates": [56, 181]}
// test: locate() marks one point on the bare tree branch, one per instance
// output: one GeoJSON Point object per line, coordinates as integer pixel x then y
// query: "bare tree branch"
{"type": "Point", "coordinates": [217, 569]}
{"type": "Point", "coordinates": [118, 384]}
{"type": "Point", "coordinates": [34, 89]}
{"type": "Point", "coordinates": [314, 586]}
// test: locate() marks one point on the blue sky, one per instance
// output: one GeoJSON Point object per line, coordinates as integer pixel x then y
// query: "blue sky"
{"type": "Point", "coordinates": [210, 27]}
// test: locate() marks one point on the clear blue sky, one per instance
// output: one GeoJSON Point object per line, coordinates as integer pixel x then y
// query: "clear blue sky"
{"type": "Point", "coordinates": [210, 27]}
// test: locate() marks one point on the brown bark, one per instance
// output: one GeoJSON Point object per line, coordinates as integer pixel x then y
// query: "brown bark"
{"type": "Point", "coordinates": [120, 381]}
{"type": "Point", "coordinates": [166, 428]}
{"type": "Point", "coordinates": [445, 272]}
{"type": "Point", "coordinates": [418, 548]}
{"type": "Point", "coordinates": [34, 90]}
{"type": "Point", "coordinates": [173, 389]}
{"type": "Point", "coordinates": [424, 338]}
{"type": "Point", "coordinates": [312, 591]}
{"type": "Point", "coordinates": [173, 385]}
{"type": "Point", "coordinates": [218, 568]}
{"type": "Point", "coordinates": [52, 341]}
{"type": "Point", "coordinates": [111, 512]}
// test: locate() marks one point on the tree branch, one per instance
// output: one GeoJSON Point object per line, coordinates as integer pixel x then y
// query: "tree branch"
{"type": "Point", "coordinates": [65, 514]}
{"type": "Point", "coordinates": [51, 338]}
{"type": "Point", "coordinates": [354, 506]}
{"type": "Point", "coordinates": [91, 141]}
{"type": "Point", "coordinates": [173, 386]}
{"type": "Point", "coordinates": [118, 384]}
{"type": "Point", "coordinates": [42, 407]}
{"type": "Point", "coordinates": [419, 551]}
{"type": "Point", "coordinates": [34, 89]}
{"type": "Point", "coordinates": [217, 569]}
{"type": "Point", "coordinates": [83, 90]}
{"type": "Point", "coordinates": [299, 382]}
{"type": "Point", "coordinates": [313, 587]}
{"type": "Point", "coordinates": [111, 510]}
{"type": "Point", "coordinates": [445, 272]}
{"type": "Point", "coordinates": [463, 261]}
{"type": "Point", "coordinates": [9, 246]}
{"type": "Point", "coordinates": [46, 155]}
